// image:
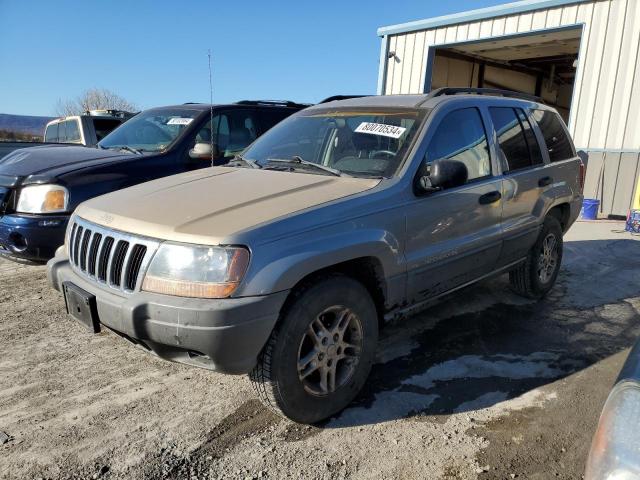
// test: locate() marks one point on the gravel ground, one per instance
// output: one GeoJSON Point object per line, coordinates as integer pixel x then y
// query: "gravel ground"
{"type": "Point", "coordinates": [483, 385]}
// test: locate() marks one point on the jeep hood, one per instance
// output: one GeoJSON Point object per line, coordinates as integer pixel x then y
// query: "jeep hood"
{"type": "Point", "coordinates": [207, 206]}
{"type": "Point", "coordinates": [45, 162]}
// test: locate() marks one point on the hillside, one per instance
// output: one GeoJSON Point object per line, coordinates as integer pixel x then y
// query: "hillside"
{"type": "Point", "coordinates": [25, 124]}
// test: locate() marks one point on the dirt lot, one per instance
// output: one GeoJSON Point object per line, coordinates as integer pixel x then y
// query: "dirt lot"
{"type": "Point", "coordinates": [484, 385]}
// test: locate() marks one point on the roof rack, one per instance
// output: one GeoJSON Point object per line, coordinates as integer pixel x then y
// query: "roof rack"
{"type": "Point", "coordinates": [483, 91]}
{"type": "Point", "coordinates": [107, 112]}
{"type": "Point", "coordinates": [341, 97]}
{"type": "Point", "coordinates": [286, 103]}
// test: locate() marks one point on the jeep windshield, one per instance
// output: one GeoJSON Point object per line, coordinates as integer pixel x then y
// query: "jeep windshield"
{"type": "Point", "coordinates": [150, 131]}
{"type": "Point", "coordinates": [355, 142]}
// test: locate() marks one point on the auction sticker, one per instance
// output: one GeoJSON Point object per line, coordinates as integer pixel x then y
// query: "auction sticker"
{"type": "Point", "coordinates": [179, 121]}
{"type": "Point", "coordinates": [380, 129]}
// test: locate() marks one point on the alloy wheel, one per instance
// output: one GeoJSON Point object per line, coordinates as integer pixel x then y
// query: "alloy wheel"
{"type": "Point", "coordinates": [330, 350]}
{"type": "Point", "coordinates": [548, 258]}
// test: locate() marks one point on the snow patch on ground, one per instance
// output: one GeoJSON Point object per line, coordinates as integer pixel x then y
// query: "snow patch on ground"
{"type": "Point", "coordinates": [398, 403]}
{"type": "Point", "coordinates": [388, 406]}
{"type": "Point", "coordinates": [474, 366]}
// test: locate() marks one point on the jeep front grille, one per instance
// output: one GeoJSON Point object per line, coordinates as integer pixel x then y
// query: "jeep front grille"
{"type": "Point", "coordinates": [109, 257]}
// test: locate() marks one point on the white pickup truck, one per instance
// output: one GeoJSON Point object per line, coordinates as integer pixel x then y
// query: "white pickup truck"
{"type": "Point", "coordinates": [86, 129]}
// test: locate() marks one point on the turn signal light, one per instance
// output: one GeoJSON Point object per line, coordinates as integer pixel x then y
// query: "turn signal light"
{"type": "Point", "coordinates": [54, 200]}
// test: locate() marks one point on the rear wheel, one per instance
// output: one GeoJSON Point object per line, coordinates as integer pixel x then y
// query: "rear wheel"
{"type": "Point", "coordinates": [320, 353]}
{"type": "Point", "coordinates": [537, 275]}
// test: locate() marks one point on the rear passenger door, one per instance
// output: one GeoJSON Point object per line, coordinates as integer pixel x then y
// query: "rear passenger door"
{"type": "Point", "coordinates": [454, 235]}
{"type": "Point", "coordinates": [524, 175]}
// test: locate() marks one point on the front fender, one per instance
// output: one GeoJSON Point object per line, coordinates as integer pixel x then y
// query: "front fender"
{"type": "Point", "coordinates": [276, 267]}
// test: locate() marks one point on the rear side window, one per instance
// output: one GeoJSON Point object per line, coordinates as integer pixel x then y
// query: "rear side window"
{"type": "Point", "coordinates": [555, 135]}
{"type": "Point", "coordinates": [62, 132]}
{"type": "Point", "coordinates": [73, 132]}
{"type": "Point", "coordinates": [461, 136]}
{"type": "Point", "coordinates": [51, 134]}
{"type": "Point", "coordinates": [512, 138]}
{"type": "Point", "coordinates": [530, 137]}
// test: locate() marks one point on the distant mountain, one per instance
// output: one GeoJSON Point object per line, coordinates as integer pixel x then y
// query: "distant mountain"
{"type": "Point", "coordinates": [28, 124]}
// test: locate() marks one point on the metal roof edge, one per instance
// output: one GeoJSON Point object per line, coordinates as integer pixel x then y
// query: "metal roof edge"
{"type": "Point", "coordinates": [474, 15]}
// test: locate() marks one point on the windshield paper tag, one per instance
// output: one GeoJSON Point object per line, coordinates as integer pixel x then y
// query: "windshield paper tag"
{"type": "Point", "coordinates": [179, 121]}
{"type": "Point", "coordinates": [380, 129]}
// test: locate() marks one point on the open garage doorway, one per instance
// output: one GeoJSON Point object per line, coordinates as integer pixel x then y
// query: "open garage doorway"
{"type": "Point", "coordinates": [541, 63]}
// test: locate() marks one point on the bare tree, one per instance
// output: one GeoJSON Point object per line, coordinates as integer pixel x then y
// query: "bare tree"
{"type": "Point", "coordinates": [93, 99]}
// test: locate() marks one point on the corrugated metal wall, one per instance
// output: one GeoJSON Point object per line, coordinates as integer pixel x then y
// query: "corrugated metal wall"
{"type": "Point", "coordinates": [613, 178]}
{"type": "Point", "coordinates": [605, 113]}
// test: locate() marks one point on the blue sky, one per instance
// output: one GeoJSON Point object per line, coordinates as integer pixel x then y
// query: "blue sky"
{"type": "Point", "coordinates": [155, 52]}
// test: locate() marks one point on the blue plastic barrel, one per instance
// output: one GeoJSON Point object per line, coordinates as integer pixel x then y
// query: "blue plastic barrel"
{"type": "Point", "coordinates": [590, 208]}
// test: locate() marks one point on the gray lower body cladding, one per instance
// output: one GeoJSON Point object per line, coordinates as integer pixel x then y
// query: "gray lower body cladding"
{"type": "Point", "coordinates": [224, 335]}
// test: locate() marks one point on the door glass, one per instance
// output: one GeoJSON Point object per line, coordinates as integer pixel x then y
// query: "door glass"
{"type": "Point", "coordinates": [461, 136]}
{"type": "Point", "coordinates": [530, 137]}
{"type": "Point", "coordinates": [62, 132]}
{"type": "Point", "coordinates": [510, 138]}
{"type": "Point", "coordinates": [73, 132]}
{"type": "Point", "coordinates": [51, 134]}
{"type": "Point", "coordinates": [241, 131]}
{"type": "Point", "coordinates": [555, 136]}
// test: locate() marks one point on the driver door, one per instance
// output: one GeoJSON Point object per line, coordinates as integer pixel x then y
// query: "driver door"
{"type": "Point", "coordinates": [231, 132]}
{"type": "Point", "coordinates": [454, 235]}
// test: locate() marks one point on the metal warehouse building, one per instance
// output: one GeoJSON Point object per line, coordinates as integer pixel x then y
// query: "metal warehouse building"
{"type": "Point", "coordinates": [580, 56]}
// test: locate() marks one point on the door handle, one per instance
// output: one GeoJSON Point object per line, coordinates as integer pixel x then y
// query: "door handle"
{"type": "Point", "coordinates": [544, 181]}
{"type": "Point", "coordinates": [490, 197]}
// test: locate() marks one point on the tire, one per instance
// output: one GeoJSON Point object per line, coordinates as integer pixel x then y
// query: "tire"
{"type": "Point", "coordinates": [536, 276]}
{"type": "Point", "coordinates": [293, 374]}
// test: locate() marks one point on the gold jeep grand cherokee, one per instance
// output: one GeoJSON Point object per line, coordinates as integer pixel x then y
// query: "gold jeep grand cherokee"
{"type": "Point", "coordinates": [285, 263]}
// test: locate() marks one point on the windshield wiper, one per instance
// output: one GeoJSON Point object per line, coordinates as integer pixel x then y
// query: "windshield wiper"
{"type": "Point", "coordinates": [246, 161]}
{"type": "Point", "coordinates": [130, 149]}
{"type": "Point", "coordinates": [126, 148]}
{"type": "Point", "coordinates": [297, 160]}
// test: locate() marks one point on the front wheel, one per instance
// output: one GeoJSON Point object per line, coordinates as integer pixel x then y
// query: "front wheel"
{"type": "Point", "coordinates": [320, 353]}
{"type": "Point", "coordinates": [536, 276]}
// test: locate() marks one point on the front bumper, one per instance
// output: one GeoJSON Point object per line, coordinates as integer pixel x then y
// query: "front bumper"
{"type": "Point", "coordinates": [224, 335]}
{"type": "Point", "coordinates": [32, 237]}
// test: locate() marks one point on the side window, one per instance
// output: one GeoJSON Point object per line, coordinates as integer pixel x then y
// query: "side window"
{"type": "Point", "coordinates": [242, 131]}
{"type": "Point", "coordinates": [271, 116]}
{"type": "Point", "coordinates": [73, 132]}
{"type": "Point", "coordinates": [208, 130]}
{"type": "Point", "coordinates": [62, 132]}
{"type": "Point", "coordinates": [530, 137]}
{"type": "Point", "coordinates": [51, 134]}
{"type": "Point", "coordinates": [232, 132]}
{"type": "Point", "coordinates": [555, 136]}
{"type": "Point", "coordinates": [221, 135]}
{"type": "Point", "coordinates": [461, 136]}
{"type": "Point", "coordinates": [511, 138]}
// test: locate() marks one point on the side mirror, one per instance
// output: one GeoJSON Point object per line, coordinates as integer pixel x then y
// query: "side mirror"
{"type": "Point", "coordinates": [204, 151]}
{"type": "Point", "coordinates": [441, 174]}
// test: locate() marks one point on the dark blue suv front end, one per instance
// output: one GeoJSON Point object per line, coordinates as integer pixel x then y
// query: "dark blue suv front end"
{"type": "Point", "coordinates": [31, 237]}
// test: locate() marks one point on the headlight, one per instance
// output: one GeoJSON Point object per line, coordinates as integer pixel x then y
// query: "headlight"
{"type": "Point", "coordinates": [196, 271]}
{"type": "Point", "coordinates": [43, 199]}
{"type": "Point", "coordinates": [615, 452]}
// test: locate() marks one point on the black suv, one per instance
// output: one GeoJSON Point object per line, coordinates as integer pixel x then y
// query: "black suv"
{"type": "Point", "coordinates": [41, 186]}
